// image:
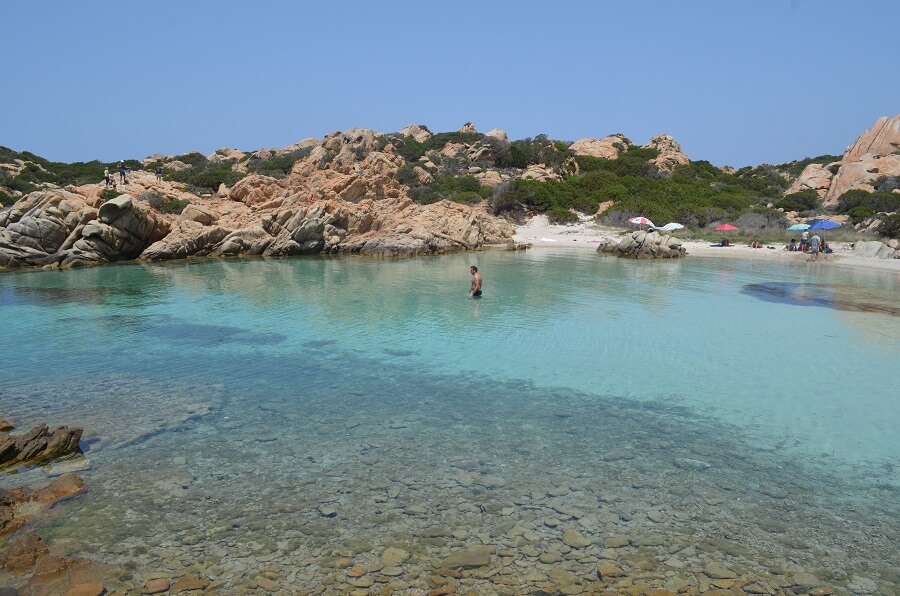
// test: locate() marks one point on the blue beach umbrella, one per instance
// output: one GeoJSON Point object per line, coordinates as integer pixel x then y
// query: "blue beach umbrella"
{"type": "Point", "coordinates": [824, 224]}
{"type": "Point", "coordinates": [799, 227]}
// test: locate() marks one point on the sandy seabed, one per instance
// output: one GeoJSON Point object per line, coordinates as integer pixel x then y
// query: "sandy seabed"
{"type": "Point", "coordinates": [586, 234]}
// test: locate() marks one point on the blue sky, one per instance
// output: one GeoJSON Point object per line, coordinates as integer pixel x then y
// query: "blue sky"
{"type": "Point", "coordinates": [738, 83]}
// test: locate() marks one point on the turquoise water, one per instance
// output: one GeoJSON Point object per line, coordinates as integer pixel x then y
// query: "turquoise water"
{"type": "Point", "coordinates": [276, 414]}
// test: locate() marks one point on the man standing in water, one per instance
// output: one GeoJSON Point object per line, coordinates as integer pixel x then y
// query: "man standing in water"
{"type": "Point", "coordinates": [475, 292]}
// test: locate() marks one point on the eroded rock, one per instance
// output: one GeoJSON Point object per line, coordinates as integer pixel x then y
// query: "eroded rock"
{"type": "Point", "coordinates": [38, 445]}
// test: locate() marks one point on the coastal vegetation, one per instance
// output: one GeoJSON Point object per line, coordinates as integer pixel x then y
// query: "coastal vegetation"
{"type": "Point", "coordinates": [36, 171]}
{"type": "Point", "coordinates": [203, 176]}
{"type": "Point", "coordinates": [164, 204]}
{"type": "Point", "coordinates": [276, 166]}
{"type": "Point", "coordinates": [449, 166]}
{"type": "Point", "coordinates": [695, 194]}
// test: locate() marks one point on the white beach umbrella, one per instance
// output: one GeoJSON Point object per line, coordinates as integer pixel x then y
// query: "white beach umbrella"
{"type": "Point", "coordinates": [670, 227]}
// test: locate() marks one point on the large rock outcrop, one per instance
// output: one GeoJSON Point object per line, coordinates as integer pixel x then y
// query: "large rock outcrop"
{"type": "Point", "coordinates": [342, 195]}
{"type": "Point", "coordinates": [644, 245]}
{"type": "Point", "coordinates": [607, 147]}
{"type": "Point", "coordinates": [876, 153]}
{"type": "Point", "coordinates": [815, 177]}
{"type": "Point", "coordinates": [874, 249]}
{"type": "Point", "coordinates": [670, 154]}
{"type": "Point", "coordinates": [67, 229]}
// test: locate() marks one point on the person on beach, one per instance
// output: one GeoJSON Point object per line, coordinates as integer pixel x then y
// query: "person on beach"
{"type": "Point", "coordinates": [475, 292]}
{"type": "Point", "coordinates": [814, 247]}
{"type": "Point", "coordinates": [792, 246]}
{"type": "Point", "coordinates": [804, 240]}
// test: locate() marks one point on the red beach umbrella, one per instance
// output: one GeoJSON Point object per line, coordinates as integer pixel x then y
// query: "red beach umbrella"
{"type": "Point", "coordinates": [726, 227]}
{"type": "Point", "coordinates": [641, 221]}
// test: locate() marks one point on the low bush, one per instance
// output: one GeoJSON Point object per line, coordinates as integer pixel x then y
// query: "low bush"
{"type": "Point", "coordinates": [411, 150]}
{"type": "Point", "coordinates": [539, 150]}
{"type": "Point", "coordinates": [890, 226]}
{"type": "Point", "coordinates": [205, 176]}
{"type": "Point", "coordinates": [879, 201]}
{"type": "Point", "coordinates": [467, 197]}
{"type": "Point", "coordinates": [278, 166]}
{"type": "Point", "coordinates": [804, 200]}
{"type": "Point", "coordinates": [795, 168]}
{"type": "Point", "coordinates": [561, 215]}
{"type": "Point", "coordinates": [108, 194]}
{"type": "Point", "coordinates": [858, 214]}
{"type": "Point", "coordinates": [164, 204]}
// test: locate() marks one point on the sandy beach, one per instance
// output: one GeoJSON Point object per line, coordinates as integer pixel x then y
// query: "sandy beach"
{"type": "Point", "coordinates": [587, 235]}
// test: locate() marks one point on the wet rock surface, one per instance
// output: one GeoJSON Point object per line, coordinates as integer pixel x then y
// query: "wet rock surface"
{"type": "Point", "coordinates": [38, 445]}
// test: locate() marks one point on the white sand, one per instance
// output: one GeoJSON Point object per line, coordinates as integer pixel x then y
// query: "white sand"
{"type": "Point", "coordinates": [539, 232]}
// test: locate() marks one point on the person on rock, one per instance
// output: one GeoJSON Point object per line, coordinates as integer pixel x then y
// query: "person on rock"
{"type": "Point", "coordinates": [158, 173]}
{"type": "Point", "coordinates": [475, 292]}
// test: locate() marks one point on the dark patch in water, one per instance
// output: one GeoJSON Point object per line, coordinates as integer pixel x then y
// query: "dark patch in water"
{"type": "Point", "coordinates": [211, 335]}
{"type": "Point", "coordinates": [813, 295]}
{"type": "Point", "coordinates": [318, 344]}
{"type": "Point", "coordinates": [37, 296]}
{"type": "Point", "coordinates": [399, 353]}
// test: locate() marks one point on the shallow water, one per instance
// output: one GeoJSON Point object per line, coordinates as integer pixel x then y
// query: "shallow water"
{"type": "Point", "coordinates": [270, 416]}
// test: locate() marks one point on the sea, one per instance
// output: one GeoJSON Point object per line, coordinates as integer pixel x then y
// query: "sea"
{"type": "Point", "coordinates": [288, 422]}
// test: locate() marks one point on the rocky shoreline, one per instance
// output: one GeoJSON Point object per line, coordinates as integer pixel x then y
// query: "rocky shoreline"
{"type": "Point", "coordinates": [348, 193]}
{"type": "Point", "coordinates": [389, 522]}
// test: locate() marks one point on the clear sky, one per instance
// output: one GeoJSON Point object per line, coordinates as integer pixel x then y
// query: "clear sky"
{"type": "Point", "coordinates": [735, 82]}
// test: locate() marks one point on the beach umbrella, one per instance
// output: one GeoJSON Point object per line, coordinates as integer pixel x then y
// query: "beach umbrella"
{"type": "Point", "coordinates": [824, 224]}
{"type": "Point", "coordinates": [796, 227]}
{"type": "Point", "coordinates": [641, 221]}
{"type": "Point", "coordinates": [726, 227]}
{"type": "Point", "coordinates": [670, 227]}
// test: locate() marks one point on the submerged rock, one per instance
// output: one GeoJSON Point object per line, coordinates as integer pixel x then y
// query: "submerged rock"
{"type": "Point", "coordinates": [478, 556]}
{"type": "Point", "coordinates": [13, 516]}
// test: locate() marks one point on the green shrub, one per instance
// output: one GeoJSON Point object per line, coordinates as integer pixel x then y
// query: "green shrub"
{"type": "Point", "coordinates": [468, 184]}
{"type": "Point", "coordinates": [278, 166]}
{"type": "Point", "coordinates": [539, 150]}
{"type": "Point", "coordinates": [804, 200]}
{"type": "Point", "coordinates": [108, 194]}
{"type": "Point", "coordinates": [164, 204]}
{"type": "Point", "coordinates": [795, 168]}
{"type": "Point", "coordinates": [561, 215]}
{"type": "Point", "coordinates": [858, 214]}
{"type": "Point", "coordinates": [411, 149]}
{"type": "Point", "coordinates": [890, 226]}
{"type": "Point", "coordinates": [517, 157]}
{"type": "Point", "coordinates": [6, 200]}
{"type": "Point", "coordinates": [407, 175]}
{"type": "Point", "coordinates": [467, 197]}
{"type": "Point", "coordinates": [205, 176]}
{"type": "Point", "coordinates": [877, 201]}
{"type": "Point", "coordinates": [195, 159]}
